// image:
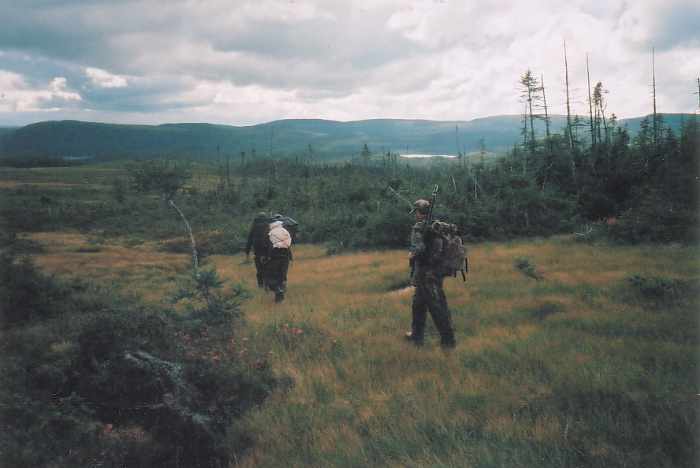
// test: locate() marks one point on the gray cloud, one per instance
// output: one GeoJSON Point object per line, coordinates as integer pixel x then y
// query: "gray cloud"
{"type": "Point", "coordinates": [270, 59]}
{"type": "Point", "coordinates": [678, 27]}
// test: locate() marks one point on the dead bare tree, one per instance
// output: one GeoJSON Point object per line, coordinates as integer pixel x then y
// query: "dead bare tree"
{"type": "Point", "coordinates": [569, 124]}
{"type": "Point", "coordinates": [167, 178]}
{"type": "Point", "coordinates": [569, 132]}
{"type": "Point", "coordinates": [544, 107]}
{"type": "Point", "coordinates": [590, 105]}
{"type": "Point", "coordinates": [195, 258]}
{"type": "Point", "coordinates": [653, 93]}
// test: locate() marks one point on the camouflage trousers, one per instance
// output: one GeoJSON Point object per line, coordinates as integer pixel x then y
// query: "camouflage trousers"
{"type": "Point", "coordinates": [260, 261]}
{"type": "Point", "coordinates": [429, 296]}
{"type": "Point", "coordinates": [275, 273]}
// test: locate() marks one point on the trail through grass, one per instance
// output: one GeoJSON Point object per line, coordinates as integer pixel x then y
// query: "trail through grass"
{"type": "Point", "coordinates": [575, 369]}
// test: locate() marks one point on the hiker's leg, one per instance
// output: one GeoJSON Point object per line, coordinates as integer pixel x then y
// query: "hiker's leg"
{"type": "Point", "coordinates": [419, 309]}
{"type": "Point", "coordinates": [440, 313]}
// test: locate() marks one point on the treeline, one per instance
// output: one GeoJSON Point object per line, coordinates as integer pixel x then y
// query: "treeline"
{"type": "Point", "coordinates": [38, 161]}
{"type": "Point", "coordinates": [641, 189]}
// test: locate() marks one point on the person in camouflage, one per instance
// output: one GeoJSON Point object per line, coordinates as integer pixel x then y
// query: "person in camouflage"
{"type": "Point", "coordinates": [259, 243]}
{"type": "Point", "coordinates": [278, 258]}
{"type": "Point", "coordinates": [429, 295]}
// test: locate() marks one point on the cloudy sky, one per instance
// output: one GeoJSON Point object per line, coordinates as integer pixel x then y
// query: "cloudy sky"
{"type": "Point", "coordinates": [245, 62]}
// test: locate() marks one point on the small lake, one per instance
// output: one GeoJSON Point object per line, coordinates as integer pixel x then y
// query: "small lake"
{"type": "Point", "coordinates": [419, 156]}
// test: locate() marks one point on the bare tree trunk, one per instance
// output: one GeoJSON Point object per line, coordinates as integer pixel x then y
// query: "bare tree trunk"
{"type": "Point", "coordinates": [195, 262]}
{"type": "Point", "coordinates": [525, 142]}
{"type": "Point", "coordinates": [569, 128]}
{"type": "Point", "coordinates": [653, 92]}
{"type": "Point", "coordinates": [605, 122]}
{"type": "Point", "coordinates": [532, 118]}
{"type": "Point", "coordinates": [544, 102]}
{"type": "Point", "coordinates": [568, 107]}
{"type": "Point", "coordinates": [590, 104]}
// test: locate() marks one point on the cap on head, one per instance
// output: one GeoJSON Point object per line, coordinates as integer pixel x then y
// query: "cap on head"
{"type": "Point", "coordinates": [421, 206]}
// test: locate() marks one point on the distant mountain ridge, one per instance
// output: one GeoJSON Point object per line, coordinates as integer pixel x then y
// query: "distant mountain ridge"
{"type": "Point", "coordinates": [322, 139]}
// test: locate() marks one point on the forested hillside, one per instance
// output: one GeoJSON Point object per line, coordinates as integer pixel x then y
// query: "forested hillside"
{"type": "Point", "coordinates": [321, 140]}
{"type": "Point", "coordinates": [4, 131]}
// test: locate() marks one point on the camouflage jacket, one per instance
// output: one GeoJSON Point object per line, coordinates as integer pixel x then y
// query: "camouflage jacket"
{"type": "Point", "coordinates": [422, 244]}
{"type": "Point", "coordinates": [257, 237]}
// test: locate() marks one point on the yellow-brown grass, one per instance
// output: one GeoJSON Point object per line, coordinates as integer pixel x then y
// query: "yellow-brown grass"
{"type": "Point", "coordinates": [355, 376]}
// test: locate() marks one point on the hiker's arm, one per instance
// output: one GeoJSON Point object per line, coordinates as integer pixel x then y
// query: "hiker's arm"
{"type": "Point", "coordinates": [251, 236]}
{"type": "Point", "coordinates": [419, 247]}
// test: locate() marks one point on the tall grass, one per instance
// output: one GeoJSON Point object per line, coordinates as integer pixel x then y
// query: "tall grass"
{"type": "Point", "coordinates": [577, 369]}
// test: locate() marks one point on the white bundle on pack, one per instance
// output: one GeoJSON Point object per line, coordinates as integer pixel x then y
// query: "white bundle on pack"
{"type": "Point", "coordinates": [279, 236]}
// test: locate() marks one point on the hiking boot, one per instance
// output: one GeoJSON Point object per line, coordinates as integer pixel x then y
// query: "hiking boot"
{"type": "Point", "coordinates": [413, 338]}
{"type": "Point", "coordinates": [448, 343]}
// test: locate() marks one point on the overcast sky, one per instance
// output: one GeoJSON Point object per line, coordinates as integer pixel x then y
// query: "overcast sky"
{"type": "Point", "coordinates": [245, 62]}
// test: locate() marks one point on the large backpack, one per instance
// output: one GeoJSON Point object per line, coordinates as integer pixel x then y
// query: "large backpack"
{"type": "Point", "coordinates": [453, 255]}
{"type": "Point", "coordinates": [290, 224]}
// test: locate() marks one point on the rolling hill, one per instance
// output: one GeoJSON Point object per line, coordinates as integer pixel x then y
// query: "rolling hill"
{"type": "Point", "coordinates": [327, 139]}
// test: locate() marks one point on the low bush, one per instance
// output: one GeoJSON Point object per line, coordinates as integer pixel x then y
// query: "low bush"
{"type": "Point", "coordinates": [656, 219]}
{"type": "Point", "coordinates": [662, 290]}
{"type": "Point", "coordinates": [25, 293]}
{"type": "Point", "coordinates": [94, 379]}
{"type": "Point", "coordinates": [527, 267]}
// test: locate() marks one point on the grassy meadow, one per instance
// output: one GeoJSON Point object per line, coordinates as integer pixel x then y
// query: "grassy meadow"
{"type": "Point", "coordinates": [592, 361]}
{"type": "Point", "coordinates": [578, 368]}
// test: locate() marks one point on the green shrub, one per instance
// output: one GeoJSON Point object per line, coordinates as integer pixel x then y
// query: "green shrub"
{"type": "Point", "coordinates": [527, 267]}
{"type": "Point", "coordinates": [90, 369]}
{"type": "Point", "coordinates": [660, 289]}
{"type": "Point", "coordinates": [25, 293]}
{"type": "Point", "coordinates": [655, 219]}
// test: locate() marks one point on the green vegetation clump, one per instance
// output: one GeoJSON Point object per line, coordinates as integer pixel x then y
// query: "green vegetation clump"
{"type": "Point", "coordinates": [663, 290]}
{"type": "Point", "coordinates": [92, 378]}
{"type": "Point", "coordinates": [527, 267]}
{"type": "Point", "coordinates": [25, 294]}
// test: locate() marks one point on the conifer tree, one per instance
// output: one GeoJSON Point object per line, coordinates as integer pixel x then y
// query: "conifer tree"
{"type": "Point", "coordinates": [529, 94]}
